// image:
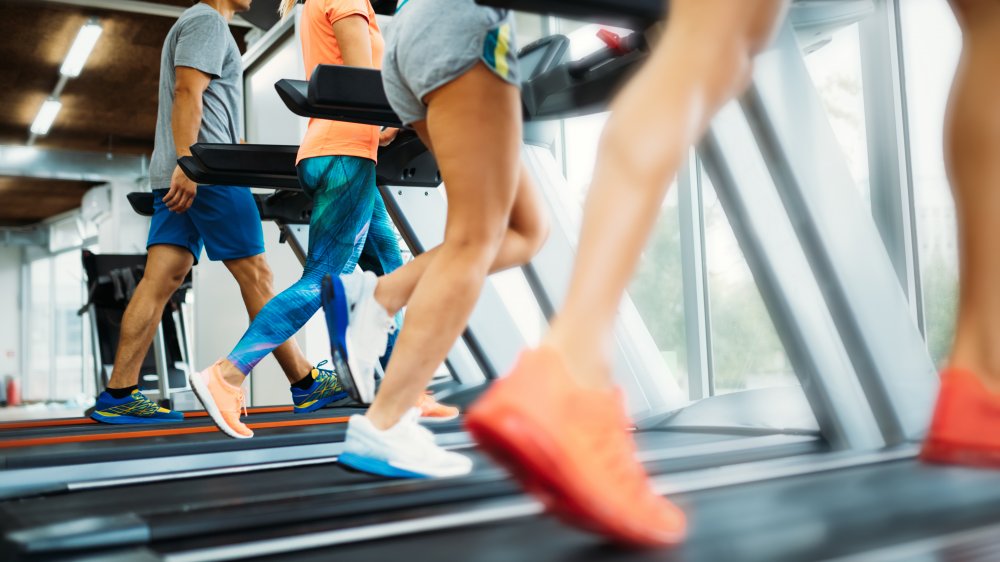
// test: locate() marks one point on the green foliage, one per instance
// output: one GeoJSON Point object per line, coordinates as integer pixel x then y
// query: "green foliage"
{"type": "Point", "coordinates": [940, 306]}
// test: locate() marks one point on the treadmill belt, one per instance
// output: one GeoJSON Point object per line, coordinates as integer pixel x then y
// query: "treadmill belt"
{"type": "Point", "coordinates": [810, 517]}
{"type": "Point", "coordinates": [201, 511]}
{"type": "Point", "coordinates": [282, 429]}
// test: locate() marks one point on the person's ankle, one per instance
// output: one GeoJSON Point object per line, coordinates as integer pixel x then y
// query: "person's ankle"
{"type": "Point", "coordinates": [381, 418]}
{"type": "Point", "coordinates": [587, 365]}
{"type": "Point", "coordinates": [988, 374]}
{"type": "Point", "coordinates": [230, 374]}
{"type": "Point", "coordinates": [383, 296]}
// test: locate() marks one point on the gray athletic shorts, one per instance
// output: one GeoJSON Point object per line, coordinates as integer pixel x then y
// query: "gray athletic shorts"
{"type": "Point", "coordinates": [430, 43]}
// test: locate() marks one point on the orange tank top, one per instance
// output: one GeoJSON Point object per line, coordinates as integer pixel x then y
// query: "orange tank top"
{"type": "Point", "coordinates": [319, 46]}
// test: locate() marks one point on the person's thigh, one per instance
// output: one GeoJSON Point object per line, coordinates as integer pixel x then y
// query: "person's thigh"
{"type": "Point", "coordinates": [173, 229]}
{"type": "Point", "coordinates": [343, 191]}
{"type": "Point", "coordinates": [228, 221]}
{"type": "Point", "coordinates": [381, 252]}
{"type": "Point", "coordinates": [480, 164]}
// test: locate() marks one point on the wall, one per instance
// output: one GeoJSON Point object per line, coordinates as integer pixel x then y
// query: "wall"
{"type": "Point", "coordinates": [10, 310]}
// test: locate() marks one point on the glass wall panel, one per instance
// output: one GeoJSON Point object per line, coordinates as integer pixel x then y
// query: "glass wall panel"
{"type": "Point", "coordinates": [746, 351]}
{"type": "Point", "coordinates": [931, 47]}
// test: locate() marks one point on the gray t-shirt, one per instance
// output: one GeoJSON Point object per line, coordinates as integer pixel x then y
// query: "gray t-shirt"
{"type": "Point", "coordinates": [201, 40]}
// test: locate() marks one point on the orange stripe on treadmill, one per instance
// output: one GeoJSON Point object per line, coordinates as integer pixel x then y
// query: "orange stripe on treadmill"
{"type": "Point", "coordinates": [87, 421]}
{"type": "Point", "coordinates": [55, 440]}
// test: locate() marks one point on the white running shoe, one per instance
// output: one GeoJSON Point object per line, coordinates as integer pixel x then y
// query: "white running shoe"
{"type": "Point", "coordinates": [368, 330]}
{"type": "Point", "coordinates": [405, 450]}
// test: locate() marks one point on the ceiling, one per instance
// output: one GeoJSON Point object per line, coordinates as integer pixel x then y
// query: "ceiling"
{"type": "Point", "coordinates": [111, 107]}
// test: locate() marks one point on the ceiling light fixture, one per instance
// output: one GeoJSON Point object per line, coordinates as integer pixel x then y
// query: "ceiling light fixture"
{"type": "Point", "coordinates": [46, 116]}
{"type": "Point", "coordinates": [81, 49]}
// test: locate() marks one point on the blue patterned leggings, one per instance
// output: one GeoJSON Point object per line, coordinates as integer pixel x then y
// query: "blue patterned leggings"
{"type": "Point", "coordinates": [349, 225]}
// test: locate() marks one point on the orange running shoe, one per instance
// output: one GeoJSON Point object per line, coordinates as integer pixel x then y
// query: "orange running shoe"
{"type": "Point", "coordinates": [570, 447]}
{"type": "Point", "coordinates": [966, 425]}
{"type": "Point", "coordinates": [223, 401]}
{"type": "Point", "coordinates": [432, 411]}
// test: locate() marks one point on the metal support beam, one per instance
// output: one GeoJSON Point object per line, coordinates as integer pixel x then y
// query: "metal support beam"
{"type": "Point", "coordinates": [72, 165]}
{"type": "Point", "coordinates": [858, 282]}
{"type": "Point", "coordinates": [892, 196]}
{"type": "Point", "coordinates": [133, 7]}
{"type": "Point", "coordinates": [697, 315]}
{"type": "Point", "coordinates": [786, 282]}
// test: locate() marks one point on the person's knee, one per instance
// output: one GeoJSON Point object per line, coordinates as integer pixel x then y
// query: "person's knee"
{"type": "Point", "coordinates": [161, 283]}
{"type": "Point", "coordinates": [533, 235]}
{"type": "Point", "coordinates": [252, 273]}
{"type": "Point", "coordinates": [475, 244]}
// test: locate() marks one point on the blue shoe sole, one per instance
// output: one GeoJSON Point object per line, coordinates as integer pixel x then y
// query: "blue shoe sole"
{"type": "Point", "coordinates": [132, 420]}
{"type": "Point", "coordinates": [336, 314]}
{"type": "Point", "coordinates": [375, 466]}
{"type": "Point", "coordinates": [321, 403]}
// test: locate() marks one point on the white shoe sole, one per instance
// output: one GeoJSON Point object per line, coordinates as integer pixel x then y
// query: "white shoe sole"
{"type": "Point", "coordinates": [205, 397]}
{"type": "Point", "coordinates": [364, 382]}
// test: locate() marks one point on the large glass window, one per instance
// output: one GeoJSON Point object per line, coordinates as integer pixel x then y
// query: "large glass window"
{"type": "Point", "coordinates": [746, 351]}
{"type": "Point", "coordinates": [834, 63]}
{"type": "Point", "coordinates": [58, 348]}
{"type": "Point", "coordinates": [931, 47]}
{"type": "Point", "coordinates": [39, 320]}
{"type": "Point", "coordinates": [657, 288]}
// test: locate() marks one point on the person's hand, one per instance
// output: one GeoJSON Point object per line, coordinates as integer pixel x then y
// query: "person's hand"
{"type": "Point", "coordinates": [182, 191]}
{"type": "Point", "coordinates": [386, 137]}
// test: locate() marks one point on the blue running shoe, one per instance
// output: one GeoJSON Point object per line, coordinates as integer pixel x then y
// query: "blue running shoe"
{"type": "Point", "coordinates": [359, 329]}
{"type": "Point", "coordinates": [326, 389]}
{"type": "Point", "coordinates": [134, 408]}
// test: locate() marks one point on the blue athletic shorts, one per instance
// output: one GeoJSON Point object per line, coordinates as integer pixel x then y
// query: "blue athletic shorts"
{"type": "Point", "coordinates": [224, 220]}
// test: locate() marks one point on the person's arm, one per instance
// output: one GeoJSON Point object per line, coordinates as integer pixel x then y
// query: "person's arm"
{"type": "Point", "coordinates": [355, 43]}
{"type": "Point", "coordinates": [355, 40]}
{"type": "Point", "coordinates": [186, 122]}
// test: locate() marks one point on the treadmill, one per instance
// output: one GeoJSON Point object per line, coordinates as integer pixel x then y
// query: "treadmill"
{"type": "Point", "coordinates": [752, 493]}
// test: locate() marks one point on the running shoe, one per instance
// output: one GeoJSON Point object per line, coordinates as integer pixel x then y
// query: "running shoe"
{"type": "Point", "coordinates": [223, 401]}
{"type": "Point", "coordinates": [134, 408]}
{"type": "Point", "coordinates": [566, 444]}
{"type": "Point", "coordinates": [325, 390]}
{"type": "Point", "coordinates": [966, 425]}
{"type": "Point", "coordinates": [359, 329]}
{"type": "Point", "coordinates": [406, 450]}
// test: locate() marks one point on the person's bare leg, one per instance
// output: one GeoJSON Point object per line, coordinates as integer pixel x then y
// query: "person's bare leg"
{"type": "Point", "coordinates": [166, 267]}
{"type": "Point", "coordinates": [256, 285]}
{"type": "Point", "coordinates": [972, 138]}
{"type": "Point", "coordinates": [526, 232]}
{"type": "Point", "coordinates": [480, 167]}
{"type": "Point", "coordinates": [703, 61]}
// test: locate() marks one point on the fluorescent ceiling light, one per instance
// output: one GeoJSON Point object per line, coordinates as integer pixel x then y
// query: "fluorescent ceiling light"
{"type": "Point", "coordinates": [46, 116]}
{"type": "Point", "coordinates": [81, 49]}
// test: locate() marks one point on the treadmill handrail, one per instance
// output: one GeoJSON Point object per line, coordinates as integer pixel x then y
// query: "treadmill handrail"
{"type": "Point", "coordinates": [285, 206]}
{"type": "Point", "coordinates": [351, 86]}
{"type": "Point", "coordinates": [295, 94]}
{"type": "Point", "coordinates": [247, 158]}
{"type": "Point", "coordinates": [195, 170]}
{"type": "Point", "coordinates": [404, 163]}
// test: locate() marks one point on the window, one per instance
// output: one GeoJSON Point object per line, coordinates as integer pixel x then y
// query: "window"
{"type": "Point", "coordinates": [931, 47]}
{"type": "Point", "coordinates": [834, 63]}
{"type": "Point", "coordinates": [746, 350]}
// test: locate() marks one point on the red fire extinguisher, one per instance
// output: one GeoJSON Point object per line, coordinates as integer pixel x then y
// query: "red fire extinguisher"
{"type": "Point", "coordinates": [13, 392]}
